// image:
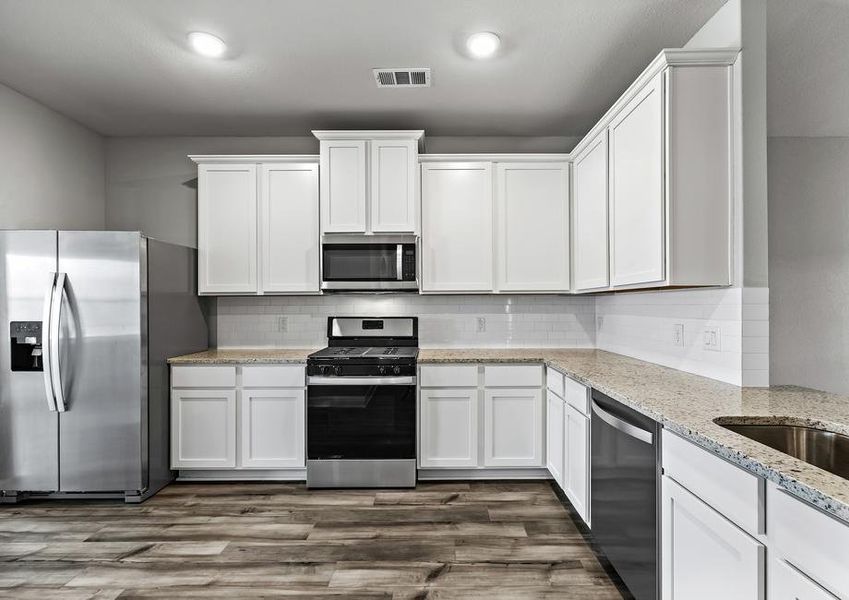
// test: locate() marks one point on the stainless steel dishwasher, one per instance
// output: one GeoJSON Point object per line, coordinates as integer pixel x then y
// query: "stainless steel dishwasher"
{"type": "Point", "coordinates": [625, 472]}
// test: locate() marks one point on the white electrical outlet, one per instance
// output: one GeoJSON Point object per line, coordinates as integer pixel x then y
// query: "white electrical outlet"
{"type": "Point", "coordinates": [481, 324]}
{"type": "Point", "coordinates": [712, 339]}
{"type": "Point", "coordinates": [678, 334]}
{"type": "Point", "coordinates": [282, 324]}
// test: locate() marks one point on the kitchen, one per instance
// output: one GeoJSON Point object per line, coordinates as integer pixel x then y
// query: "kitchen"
{"type": "Point", "coordinates": [287, 319]}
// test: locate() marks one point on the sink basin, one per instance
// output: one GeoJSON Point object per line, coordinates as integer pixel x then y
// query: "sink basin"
{"type": "Point", "coordinates": [824, 449]}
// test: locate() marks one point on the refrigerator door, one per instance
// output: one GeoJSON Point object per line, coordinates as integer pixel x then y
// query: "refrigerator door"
{"type": "Point", "coordinates": [28, 426]}
{"type": "Point", "coordinates": [101, 362]}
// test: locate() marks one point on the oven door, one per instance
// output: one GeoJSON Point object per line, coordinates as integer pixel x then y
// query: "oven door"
{"type": "Point", "coordinates": [369, 266]}
{"type": "Point", "coordinates": [361, 418]}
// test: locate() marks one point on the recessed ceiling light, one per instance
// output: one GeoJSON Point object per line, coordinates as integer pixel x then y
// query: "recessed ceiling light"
{"type": "Point", "coordinates": [483, 44]}
{"type": "Point", "coordinates": [207, 44]}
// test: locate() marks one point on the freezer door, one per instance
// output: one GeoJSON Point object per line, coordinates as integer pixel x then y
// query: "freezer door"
{"type": "Point", "coordinates": [102, 361]}
{"type": "Point", "coordinates": [28, 427]}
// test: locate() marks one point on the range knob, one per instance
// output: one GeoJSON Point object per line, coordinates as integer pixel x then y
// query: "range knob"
{"type": "Point", "coordinates": [381, 369]}
{"type": "Point", "coordinates": [323, 369]}
{"type": "Point", "coordinates": [337, 370]}
{"type": "Point", "coordinates": [396, 369]}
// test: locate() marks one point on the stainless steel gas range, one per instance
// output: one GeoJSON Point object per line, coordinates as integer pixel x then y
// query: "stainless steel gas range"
{"type": "Point", "coordinates": [361, 404]}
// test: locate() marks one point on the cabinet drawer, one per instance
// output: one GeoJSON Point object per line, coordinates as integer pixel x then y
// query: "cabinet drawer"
{"type": "Point", "coordinates": [732, 491]}
{"type": "Point", "coordinates": [203, 376]}
{"type": "Point", "coordinates": [554, 381]}
{"type": "Point", "coordinates": [513, 376]}
{"type": "Point", "coordinates": [449, 376]}
{"type": "Point", "coordinates": [577, 396]}
{"type": "Point", "coordinates": [812, 541]}
{"type": "Point", "coordinates": [786, 583]}
{"type": "Point", "coordinates": [273, 376]}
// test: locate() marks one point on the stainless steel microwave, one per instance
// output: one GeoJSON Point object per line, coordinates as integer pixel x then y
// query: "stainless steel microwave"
{"type": "Point", "coordinates": [363, 264]}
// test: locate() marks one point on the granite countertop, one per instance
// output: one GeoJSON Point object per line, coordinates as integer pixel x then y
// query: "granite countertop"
{"type": "Point", "coordinates": [214, 356]}
{"type": "Point", "coordinates": [688, 404]}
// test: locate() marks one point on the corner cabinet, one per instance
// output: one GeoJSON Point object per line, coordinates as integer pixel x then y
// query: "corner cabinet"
{"type": "Point", "coordinates": [255, 215]}
{"type": "Point", "coordinates": [369, 181]}
{"type": "Point", "coordinates": [654, 179]}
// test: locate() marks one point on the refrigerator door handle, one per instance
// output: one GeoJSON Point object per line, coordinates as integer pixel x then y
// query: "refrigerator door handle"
{"type": "Point", "coordinates": [45, 329]}
{"type": "Point", "coordinates": [55, 318]}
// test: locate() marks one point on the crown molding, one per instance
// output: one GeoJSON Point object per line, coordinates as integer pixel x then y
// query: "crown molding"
{"type": "Point", "coordinates": [253, 158]}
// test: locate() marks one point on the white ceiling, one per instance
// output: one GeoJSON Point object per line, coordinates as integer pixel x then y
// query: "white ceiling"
{"type": "Point", "coordinates": [122, 66]}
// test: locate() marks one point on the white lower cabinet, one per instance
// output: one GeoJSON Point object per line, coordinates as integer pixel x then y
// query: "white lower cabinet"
{"type": "Point", "coordinates": [513, 428]}
{"type": "Point", "coordinates": [704, 555]}
{"type": "Point", "coordinates": [237, 427]}
{"type": "Point", "coordinates": [554, 422]}
{"type": "Point", "coordinates": [272, 428]}
{"type": "Point", "coordinates": [576, 460]}
{"type": "Point", "coordinates": [203, 428]}
{"type": "Point", "coordinates": [785, 582]}
{"type": "Point", "coordinates": [449, 427]}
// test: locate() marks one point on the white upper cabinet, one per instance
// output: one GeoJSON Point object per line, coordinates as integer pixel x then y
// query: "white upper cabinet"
{"type": "Point", "coordinates": [532, 215]}
{"type": "Point", "coordinates": [669, 183]}
{"type": "Point", "coordinates": [289, 233]}
{"type": "Point", "coordinates": [636, 189]}
{"type": "Point", "coordinates": [456, 249]}
{"type": "Point", "coordinates": [343, 186]}
{"type": "Point", "coordinates": [589, 217]}
{"type": "Point", "coordinates": [227, 226]}
{"type": "Point", "coordinates": [368, 181]}
{"type": "Point", "coordinates": [394, 185]}
{"type": "Point", "coordinates": [258, 227]}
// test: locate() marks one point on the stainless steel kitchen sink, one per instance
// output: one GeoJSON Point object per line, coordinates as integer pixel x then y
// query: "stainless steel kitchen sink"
{"type": "Point", "coordinates": [825, 449]}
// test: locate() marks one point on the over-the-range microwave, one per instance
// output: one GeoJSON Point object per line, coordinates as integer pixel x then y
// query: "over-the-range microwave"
{"type": "Point", "coordinates": [369, 264]}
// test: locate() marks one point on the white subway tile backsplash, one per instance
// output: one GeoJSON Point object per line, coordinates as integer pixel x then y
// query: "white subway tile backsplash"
{"type": "Point", "coordinates": [444, 321]}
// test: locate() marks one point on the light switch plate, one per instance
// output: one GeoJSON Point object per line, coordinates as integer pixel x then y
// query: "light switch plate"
{"type": "Point", "coordinates": [678, 335]}
{"type": "Point", "coordinates": [712, 339]}
{"type": "Point", "coordinates": [282, 324]}
{"type": "Point", "coordinates": [481, 321]}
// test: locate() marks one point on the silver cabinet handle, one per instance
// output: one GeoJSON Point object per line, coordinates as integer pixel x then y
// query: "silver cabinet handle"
{"type": "Point", "coordinates": [47, 363]}
{"type": "Point", "coordinates": [369, 381]}
{"type": "Point", "coordinates": [623, 426]}
{"type": "Point", "coordinates": [55, 319]}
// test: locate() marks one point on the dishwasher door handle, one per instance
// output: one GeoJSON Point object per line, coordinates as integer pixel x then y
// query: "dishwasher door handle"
{"type": "Point", "coordinates": [625, 427]}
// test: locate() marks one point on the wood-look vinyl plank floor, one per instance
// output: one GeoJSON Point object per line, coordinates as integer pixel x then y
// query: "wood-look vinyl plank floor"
{"type": "Point", "coordinates": [441, 541]}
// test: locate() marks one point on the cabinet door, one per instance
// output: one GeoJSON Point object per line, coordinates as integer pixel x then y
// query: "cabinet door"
{"type": "Point", "coordinates": [589, 214]}
{"type": "Point", "coordinates": [636, 189]}
{"type": "Point", "coordinates": [532, 214]}
{"type": "Point", "coordinates": [203, 429]}
{"type": "Point", "coordinates": [289, 227]}
{"type": "Point", "coordinates": [394, 164]}
{"type": "Point", "coordinates": [513, 428]}
{"type": "Point", "coordinates": [449, 428]}
{"type": "Point", "coordinates": [272, 429]}
{"type": "Point", "coordinates": [576, 460]}
{"type": "Point", "coordinates": [554, 437]}
{"type": "Point", "coordinates": [456, 227]}
{"type": "Point", "coordinates": [227, 223]}
{"type": "Point", "coordinates": [785, 582]}
{"type": "Point", "coordinates": [343, 186]}
{"type": "Point", "coordinates": [704, 555]}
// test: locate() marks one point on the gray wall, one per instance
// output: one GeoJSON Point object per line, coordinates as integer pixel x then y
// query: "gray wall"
{"type": "Point", "coordinates": [53, 169]}
{"type": "Point", "coordinates": [809, 262]}
{"type": "Point", "coordinates": [150, 182]}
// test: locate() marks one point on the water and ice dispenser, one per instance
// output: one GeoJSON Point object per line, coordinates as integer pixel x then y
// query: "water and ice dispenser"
{"type": "Point", "coordinates": [25, 337]}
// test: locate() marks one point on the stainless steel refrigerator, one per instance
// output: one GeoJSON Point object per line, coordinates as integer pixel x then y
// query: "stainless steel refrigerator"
{"type": "Point", "coordinates": [90, 318]}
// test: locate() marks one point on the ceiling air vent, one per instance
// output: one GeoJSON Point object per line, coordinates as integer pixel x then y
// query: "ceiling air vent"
{"type": "Point", "coordinates": [399, 78]}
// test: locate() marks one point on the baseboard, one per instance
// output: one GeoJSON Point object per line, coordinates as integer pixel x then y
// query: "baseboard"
{"type": "Point", "coordinates": [480, 474]}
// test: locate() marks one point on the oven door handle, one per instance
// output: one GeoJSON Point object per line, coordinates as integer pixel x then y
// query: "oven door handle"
{"type": "Point", "coordinates": [361, 381]}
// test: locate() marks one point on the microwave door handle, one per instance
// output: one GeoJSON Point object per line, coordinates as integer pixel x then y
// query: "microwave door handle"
{"type": "Point", "coordinates": [47, 363]}
{"type": "Point", "coordinates": [53, 349]}
{"type": "Point", "coordinates": [399, 262]}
